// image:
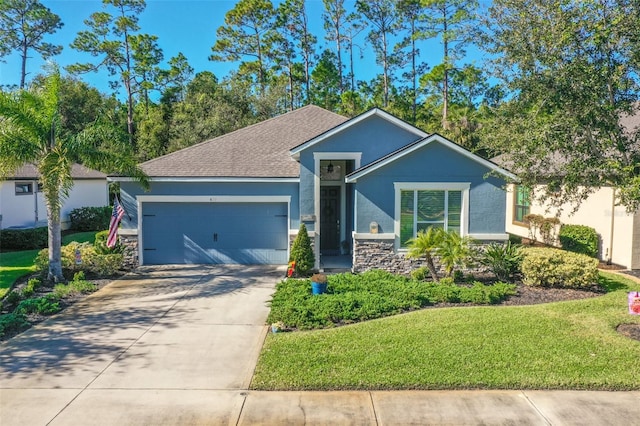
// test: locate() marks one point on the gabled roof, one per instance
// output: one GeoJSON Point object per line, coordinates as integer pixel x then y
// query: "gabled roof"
{"type": "Point", "coordinates": [78, 171]}
{"type": "Point", "coordinates": [408, 149]}
{"type": "Point", "coordinates": [256, 151]}
{"type": "Point", "coordinates": [295, 152]}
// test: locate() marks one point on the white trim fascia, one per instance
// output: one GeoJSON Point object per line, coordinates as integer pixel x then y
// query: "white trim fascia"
{"type": "Point", "coordinates": [295, 152]}
{"type": "Point", "coordinates": [433, 138]}
{"type": "Point", "coordinates": [213, 198]}
{"type": "Point", "coordinates": [369, 236]}
{"type": "Point", "coordinates": [498, 237]}
{"type": "Point", "coordinates": [295, 232]}
{"type": "Point", "coordinates": [209, 179]}
{"type": "Point", "coordinates": [355, 156]}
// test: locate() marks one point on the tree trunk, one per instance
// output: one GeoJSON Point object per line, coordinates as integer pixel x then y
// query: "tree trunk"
{"type": "Point", "coordinates": [432, 268]}
{"type": "Point", "coordinates": [55, 245]}
{"type": "Point", "coordinates": [23, 71]}
{"type": "Point", "coordinates": [445, 83]}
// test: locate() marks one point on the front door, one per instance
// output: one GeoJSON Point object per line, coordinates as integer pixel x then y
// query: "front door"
{"type": "Point", "coordinates": [330, 220]}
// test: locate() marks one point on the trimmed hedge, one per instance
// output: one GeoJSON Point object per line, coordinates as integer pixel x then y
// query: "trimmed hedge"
{"type": "Point", "coordinates": [91, 262]}
{"type": "Point", "coordinates": [100, 244]}
{"type": "Point", "coordinates": [90, 218]}
{"type": "Point", "coordinates": [579, 239]}
{"type": "Point", "coordinates": [24, 239]}
{"type": "Point", "coordinates": [549, 267]}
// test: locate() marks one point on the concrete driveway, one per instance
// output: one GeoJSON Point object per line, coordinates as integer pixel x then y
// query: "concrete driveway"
{"type": "Point", "coordinates": [165, 345]}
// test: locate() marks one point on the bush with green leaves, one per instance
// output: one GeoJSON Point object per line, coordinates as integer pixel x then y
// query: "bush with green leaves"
{"type": "Point", "coordinates": [453, 251]}
{"type": "Point", "coordinates": [549, 267]}
{"type": "Point", "coordinates": [90, 261]}
{"type": "Point", "coordinates": [372, 294]}
{"type": "Point", "coordinates": [100, 244]}
{"type": "Point", "coordinates": [12, 298]}
{"type": "Point", "coordinates": [75, 287]}
{"type": "Point", "coordinates": [503, 260]}
{"type": "Point", "coordinates": [24, 239]}
{"type": "Point", "coordinates": [579, 239]}
{"type": "Point", "coordinates": [302, 252]}
{"type": "Point", "coordinates": [90, 218]}
{"type": "Point", "coordinates": [47, 305]}
{"type": "Point", "coordinates": [12, 323]}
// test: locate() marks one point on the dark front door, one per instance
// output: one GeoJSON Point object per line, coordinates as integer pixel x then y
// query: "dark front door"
{"type": "Point", "coordinates": [330, 220]}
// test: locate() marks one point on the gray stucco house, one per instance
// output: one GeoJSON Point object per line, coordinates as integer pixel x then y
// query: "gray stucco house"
{"type": "Point", "coordinates": [362, 186]}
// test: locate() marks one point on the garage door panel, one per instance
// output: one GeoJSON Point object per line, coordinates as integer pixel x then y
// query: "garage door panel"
{"type": "Point", "coordinates": [245, 233]}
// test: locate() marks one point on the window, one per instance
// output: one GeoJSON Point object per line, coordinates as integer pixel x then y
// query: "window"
{"type": "Point", "coordinates": [24, 188]}
{"type": "Point", "coordinates": [522, 203]}
{"type": "Point", "coordinates": [430, 205]}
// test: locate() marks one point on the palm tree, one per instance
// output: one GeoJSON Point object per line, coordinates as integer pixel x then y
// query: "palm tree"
{"type": "Point", "coordinates": [453, 250]}
{"type": "Point", "coordinates": [30, 133]}
{"type": "Point", "coordinates": [425, 244]}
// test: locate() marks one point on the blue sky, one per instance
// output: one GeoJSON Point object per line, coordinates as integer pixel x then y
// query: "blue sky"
{"type": "Point", "coordinates": [187, 26]}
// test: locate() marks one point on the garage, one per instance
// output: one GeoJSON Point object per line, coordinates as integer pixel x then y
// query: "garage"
{"type": "Point", "coordinates": [214, 232]}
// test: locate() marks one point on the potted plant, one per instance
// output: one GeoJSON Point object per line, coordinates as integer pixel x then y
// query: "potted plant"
{"type": "Point", "coordinates": [318, 283]}
{"type": "Point", "coordinates": [277, 326]}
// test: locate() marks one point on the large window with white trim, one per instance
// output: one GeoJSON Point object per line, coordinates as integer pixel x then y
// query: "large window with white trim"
{"type": "Point", "coordinates": [430, 206]}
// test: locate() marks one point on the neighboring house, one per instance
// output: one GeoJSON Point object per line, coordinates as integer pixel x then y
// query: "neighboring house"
{"type": "Point", "coordinates": [362, 186]}
{"type": "Point", "coordinates": [618, 230]}
{"type": "Point", "coordinates": [22, 203]}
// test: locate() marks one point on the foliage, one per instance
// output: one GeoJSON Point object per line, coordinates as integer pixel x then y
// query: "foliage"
{"type": "Point", "coordinates": [32, 285]}
{"type": "Point", "coordinates": [75, 287]}
{"type": "Point", "coordinates": [372, 294]}
{"type": "Point", "coordinates": [23, 239]}
{"type": "Point", "coordinates": [90, 218]}
{"type": "Point", "coordinates": [483, 347]}
{"type": "Point", "coordinates": [453, 250]}
{"type": "Point", "coordinates": [302, 252]}
{"type": "Point", "coordinates": [12, 323]}
{"type": "Point", "coordinates": [579, 239]}
{"type": "Point", "coordinates": [543, 227]}
{"type": "Point", "coordinates": [12, 298]}
{"type": "Point", "coordinates": [46, 305]}
{"type": "Point", "coordinates": [23, 25]}
{"type": "Point", "coordinates": [503, 260]}
{"type": "Point", "coordinates": [425, 244]}
{"type": "Point", "coordinates": [91, 261]}
{"type": "Point", "coordinates": [548, 267]}
{"type": "Point", "coordinates": [419, 274]}
{"type": "Point", "coordinates": [100, 244]}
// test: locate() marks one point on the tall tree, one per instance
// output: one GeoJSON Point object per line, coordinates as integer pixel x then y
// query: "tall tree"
{"type": "Point", "coordinates": [573, 76]}
{"type": "Point", "coordinates": [247, 32]}
{"type": "Point", "coordinates": [382, 18]}
{"type": "Point", "coordinates": [111, 38]}
{"type": "Point", "coordinates": [30, 133]}
{"type": "Point", "coordinates": [449, 20]}
{"type": "Point", "coordinates": [335, 18]}
{"type": "Point", "coordinates": [325, 78]}
{"type": "Point", "coordinates": [23, 25]}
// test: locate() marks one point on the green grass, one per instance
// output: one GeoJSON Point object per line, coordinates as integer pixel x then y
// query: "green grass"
{"type": "Point", "coordinates": [16, 264]}
{"type": "Point", "coordinates": [566, 345]}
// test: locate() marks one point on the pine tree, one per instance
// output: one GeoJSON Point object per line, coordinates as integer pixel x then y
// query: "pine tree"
{"type": "Point", "coordinates": [302, 253]}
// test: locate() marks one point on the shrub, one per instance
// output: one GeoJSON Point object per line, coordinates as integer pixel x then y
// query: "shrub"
{"type": "Point", "coordinates": [92, 262]}
{"type": "Point", "coordinates": [12, 298]}
{"type": "Point", "coordinates": [32, 285]}
{"type": "Point", "coordinates": [75, 287]}
{"type": "Point", "coordinates": [12, 323]}
{"type": "Point", "coordinates": [90, 218]}
{"type": "Point", "coordinates": [47, 305]}
{"type": "Point", "coordinates": [419, 274]}
{"type": "Point", "coordinates": [548, 267]}
{"type": "Point", "coordinates": [302, 253]}
{"type": "Point", "coordinates": [453, 250]}
{"type": "Point", "coordinates": [100, 244]}
{"type": "Point", "coordinates": [24, 239]}
{"type": "Point", "coordinates": [579, 239]}
{"type": "Point", "coordinates": [502, 259]}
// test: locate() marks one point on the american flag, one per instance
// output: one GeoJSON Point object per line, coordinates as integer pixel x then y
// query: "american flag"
{"type": "Point", "coordinates": [116, 216]}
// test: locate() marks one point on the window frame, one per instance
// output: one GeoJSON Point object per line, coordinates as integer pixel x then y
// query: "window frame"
{"type": "Point", "coordinates": [516, 189]}
{"type": "Point", "coordinates": [463, 187]}
{"type": "Point", "coordinates": [23, 184]}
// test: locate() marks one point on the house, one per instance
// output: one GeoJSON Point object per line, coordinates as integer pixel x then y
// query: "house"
{"type": "Point", "coordinates": [362, 186]}
{"type": "Point", "coordinates": [618, 230]}
{"type": "Point", "coordinates": [22, 203]}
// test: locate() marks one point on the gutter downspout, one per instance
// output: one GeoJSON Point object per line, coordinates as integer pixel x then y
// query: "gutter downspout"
{"type": "Point", "coordinates": [613, 215]}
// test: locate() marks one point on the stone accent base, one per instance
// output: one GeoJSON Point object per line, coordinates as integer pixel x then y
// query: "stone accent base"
{"type": "Point", "coordinates": [380, 254]}
{"type": "Point", "coordinates": [130, 255]}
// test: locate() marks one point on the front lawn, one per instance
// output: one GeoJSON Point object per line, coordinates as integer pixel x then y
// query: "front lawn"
{"type": "Point", "coordinates": [16, 264]}
{"type": "Point", "coordinates": [564, 345]}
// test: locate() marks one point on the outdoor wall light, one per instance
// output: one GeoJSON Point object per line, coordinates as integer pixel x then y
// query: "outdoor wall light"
{"type": "Point", "coordinates": [330, 167]}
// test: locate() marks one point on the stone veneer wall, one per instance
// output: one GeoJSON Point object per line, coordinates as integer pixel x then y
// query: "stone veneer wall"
{"type": "Point", "coordinates": [130, 253]}
{"type": "Point", "coordinates": [380, 254]}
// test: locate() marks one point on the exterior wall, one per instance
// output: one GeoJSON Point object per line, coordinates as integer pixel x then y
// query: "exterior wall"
{"type": "Point", "coordinates": [30, 210]}
{"type": "Point", "coordinates": [596, 212]}
{"type": "Point", "coordinates": [375, 194]}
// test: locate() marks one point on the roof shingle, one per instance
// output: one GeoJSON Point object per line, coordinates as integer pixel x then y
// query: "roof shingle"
{"type": "Point", "coordinates": [260, 150]}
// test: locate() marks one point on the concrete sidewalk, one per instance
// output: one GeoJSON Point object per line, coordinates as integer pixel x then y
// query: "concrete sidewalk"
{"type": "Point", "coordinates": [177, 346]}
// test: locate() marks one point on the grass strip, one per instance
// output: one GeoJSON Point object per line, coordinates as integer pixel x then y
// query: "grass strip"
{"type": "Point", "coordinates": [565, 345]}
